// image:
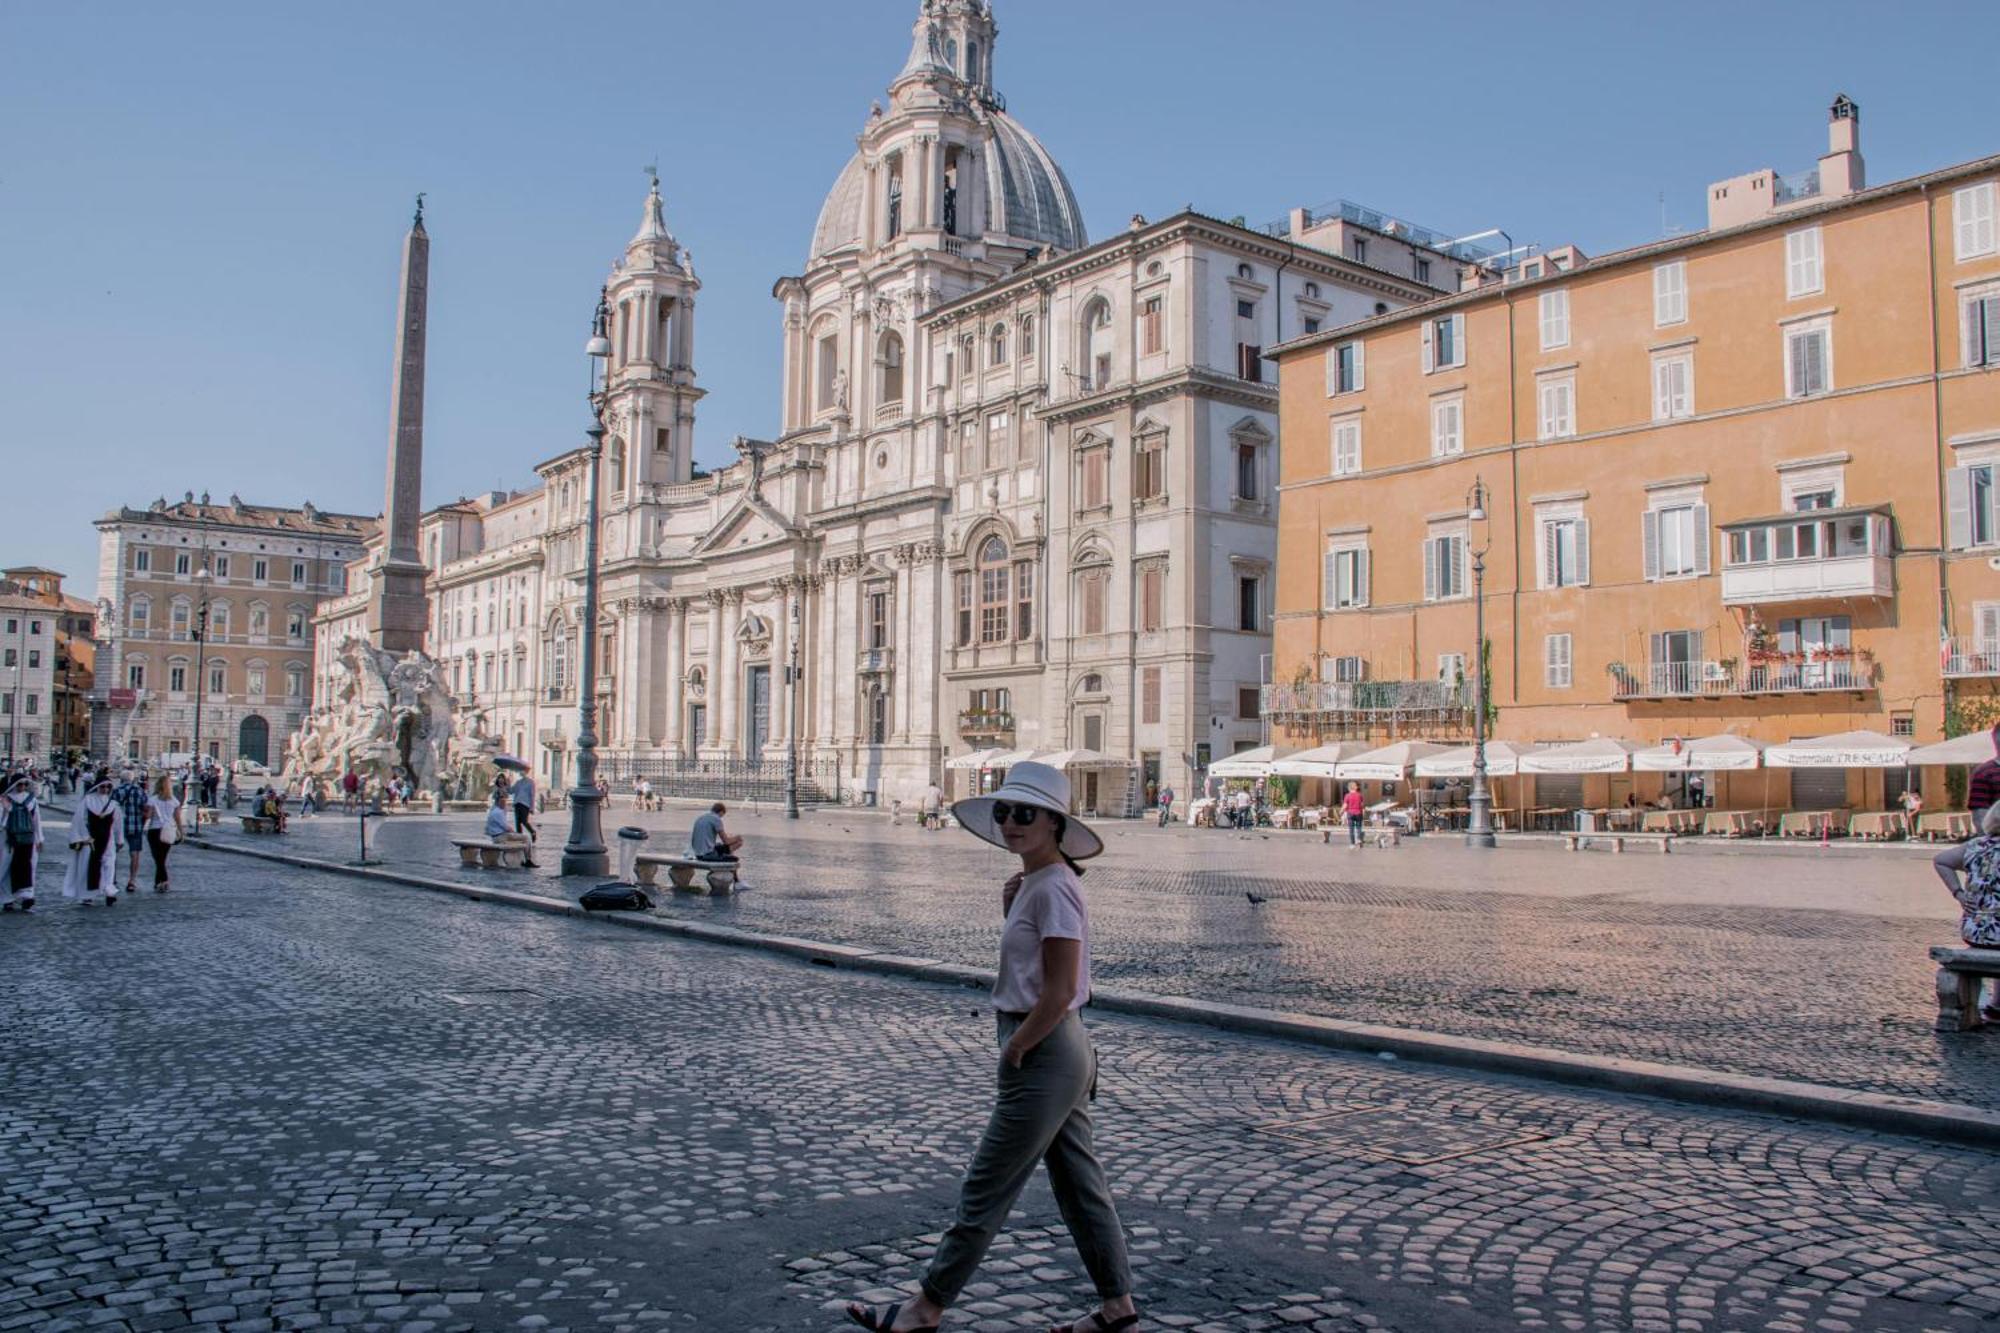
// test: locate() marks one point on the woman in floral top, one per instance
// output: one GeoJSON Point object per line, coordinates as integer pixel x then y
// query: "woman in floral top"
{"type": "Point", "coordinates": [1979, 893]}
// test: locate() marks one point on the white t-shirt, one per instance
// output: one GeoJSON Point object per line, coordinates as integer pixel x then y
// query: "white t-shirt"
{"type": "Point", "coordinates": [160, 811]}
{"type": "Point", "coordinates": [1048, 907]}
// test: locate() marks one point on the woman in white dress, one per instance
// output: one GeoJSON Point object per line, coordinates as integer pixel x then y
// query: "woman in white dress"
{"type": "Point", "coordinates": [96, 847]}
{"type": "Point", "coordinates": [20, 845]}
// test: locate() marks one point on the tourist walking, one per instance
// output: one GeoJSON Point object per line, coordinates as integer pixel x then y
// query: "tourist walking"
{"type": "Point", "coordinates": [522, 794]}
{"type": "Point", "coordinates": [20, 844]}
{"type": "Point", "coordinates": [1166, 805]}
{"type": "Point", "coordinates": [350, 788]}
{"type": "Point", "coordinates": [1352, 806]}
{"type": "Point", "coordinates": [1047, 1073]}
{"type": "Point", "coordinates": [163, 829]}
{"type": "Point", "coordinates": [96, 847]}
{"type": "Point", "coordinates": [132, 801]}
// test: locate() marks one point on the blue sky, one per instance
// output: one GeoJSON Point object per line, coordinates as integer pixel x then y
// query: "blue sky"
{"type": "Point", "coordinates": [201, 204]}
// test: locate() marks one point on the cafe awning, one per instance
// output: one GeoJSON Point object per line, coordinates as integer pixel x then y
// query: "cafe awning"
{"type": "Point", "coordinates": [977, 759]}
{"type": "Point", "coordinates": [1843, 749]}
{"type": "Point", "coordinates": [1600, 754]}
{"type": "Point", "coordinates": [1318, 762]}
{"type": "Point", "coordinates": [1973, 748]}
{"type": "Point", "coordinates": [1702, 754]}
{"type": "Point", "coordinates": [1248, 763]}
{"type": "Point", "coordinates": [1503, 760]}
{"type": "Point", "coordinates": [1081, 759]}
{"type": "Point", "coordinates": [1389, 763]}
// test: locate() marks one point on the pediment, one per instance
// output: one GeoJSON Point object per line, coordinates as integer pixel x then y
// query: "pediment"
{"type": "Point", "coordinates": [749, 524]}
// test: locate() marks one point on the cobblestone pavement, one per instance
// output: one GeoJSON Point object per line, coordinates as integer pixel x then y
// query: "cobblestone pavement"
{"type": "Point", "coordinates": [1788, 963]}
{"type": "Point", "coordinates": [288, 1099]}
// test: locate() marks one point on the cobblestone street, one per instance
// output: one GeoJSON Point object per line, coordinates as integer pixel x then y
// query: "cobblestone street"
{"type": "Point", "coordinates": [288, 1099]}
{"type": "Point", "coordinates": [1792, 962]}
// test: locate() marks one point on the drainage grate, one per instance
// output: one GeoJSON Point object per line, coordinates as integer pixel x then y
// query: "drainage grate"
{"type": "Point", "coordinates": [1400, 1134]}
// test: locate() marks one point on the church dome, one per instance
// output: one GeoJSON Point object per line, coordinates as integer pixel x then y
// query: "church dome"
{"type": "Point", "coordinates": [1032, 201]}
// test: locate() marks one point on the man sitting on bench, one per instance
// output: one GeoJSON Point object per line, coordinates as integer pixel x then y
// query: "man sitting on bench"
{"type": "Point", "coordinates": [711, 842]}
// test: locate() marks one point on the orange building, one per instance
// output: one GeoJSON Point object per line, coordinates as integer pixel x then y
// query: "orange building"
{"type": "Point", "coordinates": [1745, 480]}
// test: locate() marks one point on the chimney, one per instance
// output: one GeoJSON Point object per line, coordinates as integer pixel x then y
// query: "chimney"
{"type": "Point", "coordinates": [1841, 171]}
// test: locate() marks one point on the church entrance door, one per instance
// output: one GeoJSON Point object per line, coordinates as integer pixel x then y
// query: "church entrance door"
{"type": "Point", "coordinates": [758, 715]}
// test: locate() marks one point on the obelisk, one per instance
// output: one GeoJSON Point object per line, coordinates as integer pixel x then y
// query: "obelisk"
{"type": "Point", "coordinates": [396, 614]}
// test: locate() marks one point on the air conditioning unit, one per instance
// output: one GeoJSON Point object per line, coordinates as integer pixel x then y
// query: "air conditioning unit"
{"type": "Point", "coordinates": [1713, 672]}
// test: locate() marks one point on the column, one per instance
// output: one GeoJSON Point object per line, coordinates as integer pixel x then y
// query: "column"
{"type": "Point", "coordinates": [731, 736]}
{"type": "Point", "coordinates": [826, 649]}
{"type": "Point", "coordinates": [670, 690]}
{"type": "Point", "coordinates": [781, 661]}
{"type": "Point", "coordinates": [713, 700]}
{"type": "Point", "coordinates": [904, 639]}
{"type": "Point", "coordinates": [635, 692]}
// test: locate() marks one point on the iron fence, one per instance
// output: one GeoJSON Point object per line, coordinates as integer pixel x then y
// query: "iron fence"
{"type": "Point", "coordinates": [722, 779]}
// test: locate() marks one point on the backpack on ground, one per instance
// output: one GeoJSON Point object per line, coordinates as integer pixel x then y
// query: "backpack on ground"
{"type": "Point", "coordinates": [616, 898]}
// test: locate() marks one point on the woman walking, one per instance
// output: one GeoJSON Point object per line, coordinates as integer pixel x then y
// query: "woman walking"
{"type": "Point", "coordinates": [20, 845]}
{"type": "Point", "coordinates": [1048, 1070]}
{"type": "Point", "coordinates": [96, 846]}
{"type": "Point", "coordinates": [163, 829]}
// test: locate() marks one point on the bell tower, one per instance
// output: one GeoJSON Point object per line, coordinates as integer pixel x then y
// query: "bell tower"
{"type": "Point", "coordinates": [651, 389]}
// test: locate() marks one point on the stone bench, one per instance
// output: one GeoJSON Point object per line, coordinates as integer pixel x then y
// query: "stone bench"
{"type": "Point", "coordinates": [1960, 971]}
{"type": "Point", "coordinates": [1576, 841]}
{"type": "Point", "coordinates": [681, 870]}
{"type": "Point", "coordinates": [258, 824]}
{"type": "Point", "coordinates": [491, 855]}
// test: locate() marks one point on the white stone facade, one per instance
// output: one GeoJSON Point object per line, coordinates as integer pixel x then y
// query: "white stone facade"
{"type": "Point", "coordinates": [977, 404]}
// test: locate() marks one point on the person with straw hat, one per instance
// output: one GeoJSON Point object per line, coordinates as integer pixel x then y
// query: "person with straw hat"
{"type": "Point", "coordinates": [1047, 1076]}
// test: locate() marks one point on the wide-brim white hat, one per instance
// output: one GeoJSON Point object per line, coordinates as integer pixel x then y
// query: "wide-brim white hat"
{"type": "Point", "coordinates": [1033, 784]}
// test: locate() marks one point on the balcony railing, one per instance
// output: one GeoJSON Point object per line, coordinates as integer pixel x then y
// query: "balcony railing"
{"type": "Point", "coordinates": [1363, 708]}
{"type": "Point", "coordinates": [975, 723]}
{"type": "Point", "coordinates": [1797, 185]}
{"type": "Point", "coordinates": [1972, 657]}
{"type": "Point", "coordinates": [876, 659]}
{"type": "Point", "coordinates": [1808, 555]}
{"type": "Point", "coordinates": [1814, 672]}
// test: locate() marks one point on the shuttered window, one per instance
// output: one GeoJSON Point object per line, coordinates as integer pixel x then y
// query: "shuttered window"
{"type": "Point", "coordinates": [1149, 694]}
{"type": "Point", "coordinates": [1557, 668]}
{"type": "Point", "coordinates": [1443, 342]}
{"type": "Point", "coordinates": [1673, 387]}
{"type": "Point", "coordinates": [1346, 448]}
{"type": "Point", "coordinates": [1970, 515]}
{"type": "Point", "coordinates": [1558, 407]}
{"type": "Point", "coordinates": [1979, 326]}
{"type": "Point", "coordinates": [1675, 541]}
{"type": "Point", "coordinates": [1444, 567]}
{"type": "Point", "coordinates": [1975, 229]}
{"type": "Point", "coordinates": [1804, 273]}
{"type": "Point", "coordinates": [1344, 578]}
{"type": "Point", "coordinates": [1090, 602]}
{"type": "Point", "coordinates": [1152, 597]}
{"type": "Point", "coordinates": [1346, 368]}
{"type": "Point", "coordinates": [1554, 311]}
{"type": "Point", "coordinates": [1447, 426]}
{"type": "Point", "coordinates": [1670, 297]}
{"type": "Point", "coordinates": [1808, 359]}
{"type": "Point", "coordinates": [1565, 551]}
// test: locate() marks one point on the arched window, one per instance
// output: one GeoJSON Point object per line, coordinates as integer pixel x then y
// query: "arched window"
{"type": "Point", "coordinates": [997, 346]}
{"type": "Point", "coordinates": [1245, 272]}
{"type": "Point", "coordinates": [826, 365]}
{"type": "Point", "coordinates": [614, 464]}
{"type": "Point", "coordinates": [891, 363]}
{"type": "Point", "coordinates": [1097, 344]}
{"type": "Point", "coordinates": [972, 61]}
{"type": "Point", "coordinates": [1027, 335]}
{"type": "Point", "coordinates": [994, 587]}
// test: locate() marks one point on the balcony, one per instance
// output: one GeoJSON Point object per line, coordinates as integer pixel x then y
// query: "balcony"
{"type": "Point", "coordinates": [986, 725]}
{"type": "Point", "coordinates": [1824, 553]}
{"type": "Point", "coordinates": [874, 661]}
{"type": "Point", "coordinates": [1817, 671]}
{"type": "Point", "coordinates": [1371, 707]}
{"type": "Point", "coordinates": [1972, 657]}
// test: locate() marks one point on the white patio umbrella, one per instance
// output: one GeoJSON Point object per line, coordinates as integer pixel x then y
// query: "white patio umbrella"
{"type": "Point", "coordinates": [1318, 762]}
{"type": "Point", "coordinates": [1503, 760]}
{"type": "Point", "coordinates": [1008, 758]}
{"type": "Point", "coordinates": [1973, 748]}
{"type": "Point", "coordinates": [1249, 764]}
{"type": "Point", "coordinates": [1843, 749]}
{"type": "Point", "coordinates": [1391, 763]}
{"type": "Point", "coordinates": [1600, 754]}
{"type": "Point", "coordinates": [1703, 754]}
{"type": "Point", "coordinates": [1081, 759]}
{"type": "Point", "coordinates": [977, 759]}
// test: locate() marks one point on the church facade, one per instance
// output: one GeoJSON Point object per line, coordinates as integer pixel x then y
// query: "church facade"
{"type": "Point", "coordinates": [1023, 496]}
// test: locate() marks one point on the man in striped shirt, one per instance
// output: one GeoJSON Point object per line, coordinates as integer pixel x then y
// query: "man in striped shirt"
{"type": "Point", "coordinates": [1981, 792]}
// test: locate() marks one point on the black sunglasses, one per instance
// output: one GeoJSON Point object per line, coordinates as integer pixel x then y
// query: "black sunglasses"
{"type": "Point", "coordinates": [1022, 815]}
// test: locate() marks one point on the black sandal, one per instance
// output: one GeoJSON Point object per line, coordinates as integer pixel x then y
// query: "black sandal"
{"type": "Point", "coordinates": [1129, 1321]}
{"type": "Point", "coordinates": [887, 1320]}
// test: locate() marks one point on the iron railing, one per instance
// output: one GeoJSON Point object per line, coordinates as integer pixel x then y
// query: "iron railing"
{"type": "Point", "coordinates": [1327, 710]}
{"type": "Point", "coordinates": [1971, 657]}
{"type": "Point", "coordinates": [721, 779]}
{"type": "Point", "coordinates": [1775, 673]}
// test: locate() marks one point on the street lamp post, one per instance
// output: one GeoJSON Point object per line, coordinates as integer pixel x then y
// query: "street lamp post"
{"type": "Point", "coordinates": [200, 663]}
{"type": "Point", "coordinates": [1479, 822]}
{"type": "Point", "coordinates": [585, 853]}
{"type": "Point", "coordinates": [792, 718]}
